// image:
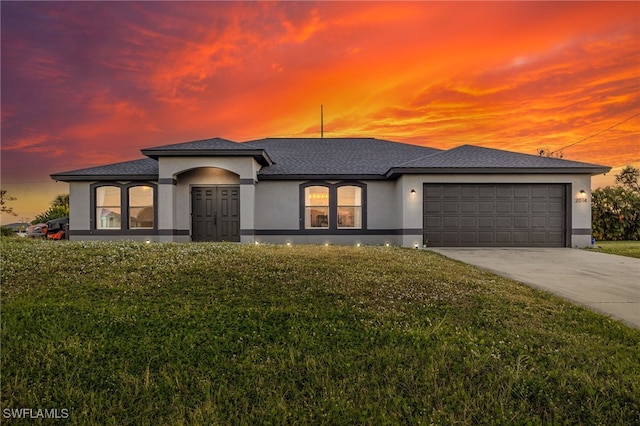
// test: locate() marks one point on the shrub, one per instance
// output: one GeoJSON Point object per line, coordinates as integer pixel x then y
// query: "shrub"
{"type": "Point", "coordinates": [5, 231]}
{"type": "Point", "coordinates": [615, 213]}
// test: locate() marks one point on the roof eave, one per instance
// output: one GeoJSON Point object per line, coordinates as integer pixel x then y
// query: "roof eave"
{"type": "Point", "coordinates": [92, 178]}
{"type": "Point", "coordinates": [320, 177]}
{"type": "Point", "coordinates": [397, 171]}
{"type": "Point", "coordinates": [260, 155]}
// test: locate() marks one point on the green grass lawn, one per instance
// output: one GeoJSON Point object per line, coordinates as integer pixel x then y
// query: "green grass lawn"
{"type": "Point", "coordinates": [622, 248]}
{"type": "Point", "coordinates": [124, 333]}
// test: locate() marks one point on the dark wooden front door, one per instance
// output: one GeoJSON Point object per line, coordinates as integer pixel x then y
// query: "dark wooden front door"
{"type": "Point", "coordinates": [215, 213]}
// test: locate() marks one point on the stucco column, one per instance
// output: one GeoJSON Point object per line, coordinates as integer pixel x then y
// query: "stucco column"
{"type": "Point", "coordinates": [410, 198]}
{"type": "Point", "coordinates": [166, 209]}
{"type": "Point", "coordinates": [580, 211]}
{"type": "Point", "coordinates": [247, 210]}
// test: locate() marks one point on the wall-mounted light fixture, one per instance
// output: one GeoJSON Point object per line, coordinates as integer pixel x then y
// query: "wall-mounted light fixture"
{"type": "Point", "coordinates": [582, 196]}
{"type": "Point", "coordinates": [413, 192]}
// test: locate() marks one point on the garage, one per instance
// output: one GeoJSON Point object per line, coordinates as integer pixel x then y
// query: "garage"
{"type": "Point", "coordinates": [495, 215]}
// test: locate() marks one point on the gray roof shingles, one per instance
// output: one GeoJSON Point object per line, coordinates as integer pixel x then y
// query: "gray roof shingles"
{"type": "Point", "coordinates": [145, 168]}
{"type": "Point", "coordinates": [469, 156]}
{"type": "Point", "coordinates": [213, 144]}
{"type": "Point", "coordinates": [335, 156]}
{"type": "Point", "coordinates": [342, 157]}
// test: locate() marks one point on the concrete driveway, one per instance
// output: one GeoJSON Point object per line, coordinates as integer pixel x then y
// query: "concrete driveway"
{"type": "Point", "coordinates": [605, 283]}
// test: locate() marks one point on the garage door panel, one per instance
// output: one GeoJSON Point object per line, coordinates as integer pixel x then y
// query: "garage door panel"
{"type": "Point", "coordinates": [486, 222]}
{"type": "Point", "coordinates": [468, 207]}
{"type": "Point", "coordinates": [557, 207]}
{"type": "Point", "coordinates": [451, 237]}
{"type": "Point", "coordinates": [504, 222]}
{"type": "Point", "coordinates": [503, 192]}
{"type": "Point", "coordinates": [433, 222]}
{"type": "Point", "coordinates": [486, 207]}
{"type": "Point", "coordinates": [539, 192]}
{"type": "Point", "coordinates": [538, 237]}
{"type": "Point", "coordinates": [433, 207]}
{"type": "Point", "coordinates": [495, 214]}
{"type": "Point", "coordinates": [451, 222]}
{"type": "Point", "coordinates": [520, 207]}
{"type": "Point", "coordinates": [503, 207]}
{"type": "Point", "coordinates": [503, 237]}
{"type": "Point", "coordinates": [485, 237]}
{"type": "Point", "coordinates": [555, 222]}
{"type": "Point", "coordinates": [469, 222]}
{"type": "Point", "coordinates": [451, 207]}
{"type": "Point", "coordinates": [556, 191]}
{"type": "Point", "coordinates": [538, 207]}
{"type": "Point", "coordinates": [451, 191]}
{"type": "Point", "coordinates": [433, 191]}
{"type": "Point", "coordinates": [539, 222]}
{"type": "Point", "coordinates": [487, 192]}
{"type": "Point", "coordinates": [469, 191]}
{"type": "Point", "coordinates": [521, 192]}
{"type": "Point", "coordinates": [520, 237]}
{"type": "Point", "coordinates": [468, 237]}
{"type": "Point", "coordinates": [555, 237]}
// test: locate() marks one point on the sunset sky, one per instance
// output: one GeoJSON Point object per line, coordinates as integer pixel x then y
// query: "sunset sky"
{"type": "Point", "coordinates": [89, 83]}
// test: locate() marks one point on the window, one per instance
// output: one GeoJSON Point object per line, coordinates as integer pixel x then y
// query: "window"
{"type": "Point", "coordinates": [108, 208]}
{"type": "Point", "coordinates": [349, 207]}
{"type": "Point", "coordinates": [334, 207]}
{"type": "Point", "coordinates": [125, 207]}
{"type": "Point", "coordinates": [141, 207]}
{"type": "Point", "coordinates": [316, 207]}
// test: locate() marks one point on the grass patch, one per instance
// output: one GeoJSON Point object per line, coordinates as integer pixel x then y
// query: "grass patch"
{"type": "Point", "coordinates": [621, 248]}
{"type": "Point", "coordinates": [125, 333]}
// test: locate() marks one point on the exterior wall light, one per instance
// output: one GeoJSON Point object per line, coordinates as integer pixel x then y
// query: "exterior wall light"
{"type": "Point", "coordinates": [413, 192]}
{"type": "Point", "coordinates": [582, 196]}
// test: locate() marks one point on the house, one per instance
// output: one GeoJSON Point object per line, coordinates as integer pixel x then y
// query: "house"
{"type": "Point", "coordinates": [335, 191]}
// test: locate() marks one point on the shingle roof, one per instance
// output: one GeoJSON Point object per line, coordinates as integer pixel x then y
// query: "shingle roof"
{"type": "Point", "coordinates": [474, 158]}
{"type": "Point", "coordinates": [209, 147]}
{"type": "Point", "coordinates": [143, 169]}
{"type": "Point", "coordinates": [335, 156]}
{"type": "Point", "coordinates": [357, 158]}
{"type": "Point", "coordinates": [213, 144]}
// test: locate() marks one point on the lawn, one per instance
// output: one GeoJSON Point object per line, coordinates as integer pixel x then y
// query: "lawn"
{"type": "Point", "coordinates": [621, 248]}
{"type": "Point", "coordinates": [124, 333]}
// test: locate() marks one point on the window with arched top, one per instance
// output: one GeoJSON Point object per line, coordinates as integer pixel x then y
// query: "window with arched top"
{"type": "Point", "coordinates": [349, 207]}
{"type": "Point", "coordinates": [108, 207]}
{"type": "Point", "coordinates": [124, 207]}
{"type": "Point", "coordinates": [316, 207]}
{"type": "Point", "coordinates": [141, 214]}
{"type": "Point", "coordinates": [333, 207]}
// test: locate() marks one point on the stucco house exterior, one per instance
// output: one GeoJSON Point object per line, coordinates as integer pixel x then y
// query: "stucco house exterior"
{"type": "Point", "coordinates": [334, 191]}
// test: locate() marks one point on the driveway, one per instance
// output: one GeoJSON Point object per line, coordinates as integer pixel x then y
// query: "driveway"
{"type": "Point", "coordinates": [606, 283]}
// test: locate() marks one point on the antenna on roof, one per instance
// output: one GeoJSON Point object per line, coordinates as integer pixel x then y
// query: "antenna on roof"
{"type": "Point", "coordinates": [321, 121]}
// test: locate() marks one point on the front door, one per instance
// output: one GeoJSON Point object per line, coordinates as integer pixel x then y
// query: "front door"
{"type": "Point", "coordinates": [215, 213]}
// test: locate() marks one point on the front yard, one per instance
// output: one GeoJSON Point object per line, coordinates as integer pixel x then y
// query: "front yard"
{"type": "Point", "coordinates": [124, 333]}
{"type": "Point", "coordinates": [621, 248]}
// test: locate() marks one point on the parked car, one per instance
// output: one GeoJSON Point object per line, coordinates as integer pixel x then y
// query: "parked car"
{"type": "Point", "coordinates": [57, 229]}
{"type": "Point", "coordinates": [38, 230]}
